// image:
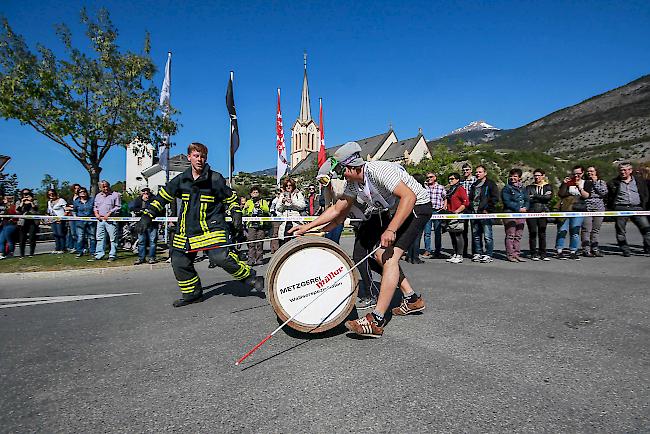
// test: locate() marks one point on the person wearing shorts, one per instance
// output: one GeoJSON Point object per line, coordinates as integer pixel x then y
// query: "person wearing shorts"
{"type": "Point", "coordinates": [380, 184]}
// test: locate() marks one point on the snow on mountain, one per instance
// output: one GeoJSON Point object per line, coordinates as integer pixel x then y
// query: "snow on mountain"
{"type": "Point", "coordinates": [475, 126]}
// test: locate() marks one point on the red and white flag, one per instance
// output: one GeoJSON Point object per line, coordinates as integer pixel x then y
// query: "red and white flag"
{"type": "Point", "coordinates": [279, 144]}
{"type": "Point", "coordinates": [322, 156]}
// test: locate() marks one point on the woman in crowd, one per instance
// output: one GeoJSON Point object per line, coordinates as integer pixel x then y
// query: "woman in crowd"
{"type": "Point", "coordinates": [572, 195]}
{"type": "Point", "coordinates": [457, 202]}
{"type": "Point", "coordinates": [540, 194]}
{"type": "Point", "coordinates": [27, 228]}
{"type": "Point", "coordinates": [515, 199]}
{"type": "Point", "coordinates": [7, 228]}
{"type": "Point", "coordinates": [56, 207]}
{"type": "Point", "coordinates": [83, 207]}
{"type": "Point", "coordinates": [597, 190]}
{"type": "Point", "coordinates": [291, 203]}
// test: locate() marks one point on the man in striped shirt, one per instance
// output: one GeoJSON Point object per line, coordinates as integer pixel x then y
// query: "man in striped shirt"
{"type": "Point", "coordinates": [438, 202]}
{"type": "Point", "coordinates": [380, 184]}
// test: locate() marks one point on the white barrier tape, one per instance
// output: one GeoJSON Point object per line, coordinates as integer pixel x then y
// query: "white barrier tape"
{"type": "Point", "coordinates": [502, 215]}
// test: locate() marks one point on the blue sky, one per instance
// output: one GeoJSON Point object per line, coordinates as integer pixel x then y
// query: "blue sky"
{"type": "Point", "coordinates": [430, 65]}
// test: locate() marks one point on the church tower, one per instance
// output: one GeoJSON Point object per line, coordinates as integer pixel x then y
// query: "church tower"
{"type": "Point", "coordinates": [305, 135]}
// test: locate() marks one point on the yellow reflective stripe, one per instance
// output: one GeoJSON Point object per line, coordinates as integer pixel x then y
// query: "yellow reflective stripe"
{"type": "Point", "coordinates": [165, 195]}
{"type": "Point", "coordinates": [156, 204]}
{"type": "Point", "coordinates": [208, 235]}
{"type": "Point", "coordinates": [206, 243]}
{"type": "Point", "coordinates": [234, 205]}
{"type": "Point", "coordinates": [232, 198]}
{"type": "Point", "coordinates": [185, 196]}
{"type": "Point", "coordinates": [187, 290]}
{"type": "Point", "coordinates": [203, 217]}
{"type": "Point", "coordinates": [149, 213]}
{"type": "Point", "coordinates": [244, 269]}
{"type": "Point", "coordinates": [189, 281]}
{"type": "Point", "coordinates": [206, 198]}
{"type": "Point", "coordinates": [182, 225]}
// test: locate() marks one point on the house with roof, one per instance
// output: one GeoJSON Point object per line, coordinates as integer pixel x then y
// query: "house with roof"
{"type": "Point", "coordinates": [409, 151]}
{"type": "Point", "coordinates": [144, 170]}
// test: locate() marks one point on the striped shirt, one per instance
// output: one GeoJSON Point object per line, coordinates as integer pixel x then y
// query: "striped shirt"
{"type": "Point", "coordinates": [467, 183]}
{"type": "Point", "coordinates": [385, 176]}
{"type": "Point", "coordinates": [437, 195]}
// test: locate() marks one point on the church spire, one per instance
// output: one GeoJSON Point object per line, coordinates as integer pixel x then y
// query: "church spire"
{"type": "Point", "coordinates": [305, 108]}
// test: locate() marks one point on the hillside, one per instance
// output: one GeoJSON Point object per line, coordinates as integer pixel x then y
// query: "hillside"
{"type": "Point", "coordinates": [611, 126]}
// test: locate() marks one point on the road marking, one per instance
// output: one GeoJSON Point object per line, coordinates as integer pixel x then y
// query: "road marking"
{"type": "Point", "coordinates": [33, 301]}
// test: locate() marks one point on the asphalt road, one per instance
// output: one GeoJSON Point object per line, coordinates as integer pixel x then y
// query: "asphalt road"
{"type": "Point", "coordinates": [560, 346]}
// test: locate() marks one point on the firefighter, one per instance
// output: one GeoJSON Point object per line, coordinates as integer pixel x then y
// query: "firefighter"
{"type": "Point", "coordinates": [201, 224]}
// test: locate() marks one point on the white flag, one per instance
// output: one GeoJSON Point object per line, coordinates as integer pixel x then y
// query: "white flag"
{"type": "Point", "coordinates": [165, 96]}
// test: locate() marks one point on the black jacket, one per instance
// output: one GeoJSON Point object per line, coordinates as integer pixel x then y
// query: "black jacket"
{"type": "Point", "coordinates": [539, 202]}
{"type": "Point", "coordinates": [202, 217]}
{"type": "Point", "coordinates": [615, 185]}
{"type": "Point", "coordinates": [489, 194]}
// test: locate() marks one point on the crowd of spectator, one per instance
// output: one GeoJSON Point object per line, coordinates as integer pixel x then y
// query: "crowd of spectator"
{"type": "Point", "coordinates": [471, 191]}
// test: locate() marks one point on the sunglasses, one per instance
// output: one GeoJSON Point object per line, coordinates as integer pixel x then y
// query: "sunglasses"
{"type": "Point", "coordinates": [451, 179]}
{"type": "Point", "coordinates": [467, 170]}
{"type": "Point", "coordinates": [429, 177]}
{"type": "Point", "coordinates": [337, 167]}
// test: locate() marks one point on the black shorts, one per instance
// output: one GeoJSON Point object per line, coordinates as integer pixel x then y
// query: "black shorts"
{"type": "Point", "coordinates": [370, 230]}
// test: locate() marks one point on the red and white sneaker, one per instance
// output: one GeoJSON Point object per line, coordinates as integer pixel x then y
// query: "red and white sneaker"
{"type": "Point", "coordinates": [365, 326]}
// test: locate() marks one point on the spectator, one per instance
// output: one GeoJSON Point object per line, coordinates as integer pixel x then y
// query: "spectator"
{"type": "Point", "coordinates": [275, 225]}
{"type": "Point", "coordinates": [290, 204]}
{"type": "Point", "coordinates": [27, 228]}
{"type": "Point", "coordinates": [438, 202]}
{"type": "Point", "coordinates": [540, 193]}
{"type": "Point", "coordinates": [332, 189]}
{"type": "Point", "coordinates": [148, 238]}
{"type": "Point", "coordinates": [466, 182]}
{"type": "Point", "coordinates": [256, 207]}
{"type": "Point", "coordinates": [107, 204]}
{"type": "Point", "coordinates": [483, 196]}
{"type": "Point", "coordinates": [515, 199]}
{"type": "Point", "coordinates": [457, 203]}
{"type": "Point", "coordinates": [597, 190]}
{"type": "Point", "coordinates": [83, 207]}
{"type": "Point", "coordinates": [7, 228]}
{"type": "Point", "coordinates": [572, 195]}
{"type": "Point", "coordinates": [413, 252]}
{"type": "Point", "coordinates": [629, 192]}
{"type": "Point", "coordinates": [313, 201]}
{"type": "Point", "coordinates": [56, 207]}
{"type": "Point", "coordinates": [71, 225]}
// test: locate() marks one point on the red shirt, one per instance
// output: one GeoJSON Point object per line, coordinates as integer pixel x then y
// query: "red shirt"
{"type": "Point", "coordinates": [457, 199]}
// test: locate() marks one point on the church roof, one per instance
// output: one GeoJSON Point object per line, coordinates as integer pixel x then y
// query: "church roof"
{"type": "Point", "coordinates": [369, 146]}
{"type": "Point", "coordinates": [178, 163]}
{"type": "Point", "coordinates": [305, 108]}
{"type": "Point", "coordinates": [396, 150]}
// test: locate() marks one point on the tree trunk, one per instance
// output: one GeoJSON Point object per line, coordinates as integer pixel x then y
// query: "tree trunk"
{"type": "Point", "coordinates": [94, 172]}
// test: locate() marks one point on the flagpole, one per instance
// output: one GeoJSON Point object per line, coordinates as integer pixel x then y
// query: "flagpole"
{"type": "Point", "coordinates": [167, 143]}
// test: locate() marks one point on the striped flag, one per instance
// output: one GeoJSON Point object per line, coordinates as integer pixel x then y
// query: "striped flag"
{"type": "Point", "coordinates": [322, 156]}
{"type": "Point", "coordinates": [279, 144]}
{"type": "Point", "coordinates": [234, 128]}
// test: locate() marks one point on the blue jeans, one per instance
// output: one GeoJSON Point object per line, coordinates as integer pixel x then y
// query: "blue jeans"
{"type": "Point", "coordinates": [58, 230]}
{"type": "Point", "coordinates": [335, 234]}
{"type": "Point", "coordinates": [482, 231]}
{"type": "Point", "coordinates": [71, 238]}
{"type": "Point", "coordinates": [571, 225]}
{"type": "Point", "coordinates": [85, 236]}
{"type": "Point", "coordinates": [150, 235]}
{"type": "Point", "coordinates": [7, 238]}
{"type": "Point", "coordinates": [104, 228]}
{"type": "Point", "coordinates": [437, 230]}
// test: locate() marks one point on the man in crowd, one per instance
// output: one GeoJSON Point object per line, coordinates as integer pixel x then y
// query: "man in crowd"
{"type": "Point", "coordinates": [71, 237]}
{"type": "Point", "coordinates": [629, 192]}
{"type": "Point", "coordinates": [439, 203]}
{"type": "Point", "coordinates": [256, 207]}
{"type": "Point", "coordinates": [380, 184]}
{"type": "Point", "coordinates": [466, 182]}
{"type": "Point", "coordinates": [483, 198]}
{"type": "Point", "coordinates": [313, 201]}
{"type": "Point", "coordinates": [201, 226]}
{"type": "Point", "coordinates": [107, 204]}
{"type": "Point", "coordinates": [147, 239]}
{"type": "Point", "coordinates": [83, 206]}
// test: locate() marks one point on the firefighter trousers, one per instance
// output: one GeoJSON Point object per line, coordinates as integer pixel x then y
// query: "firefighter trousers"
{"type": "Point", "coordinates": [187, 277]}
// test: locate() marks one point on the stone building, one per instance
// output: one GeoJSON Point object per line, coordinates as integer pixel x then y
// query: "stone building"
{"type": "Point", "coordinates": [305, 133]}
{"type": "Point", "coordinates": [144, 170]}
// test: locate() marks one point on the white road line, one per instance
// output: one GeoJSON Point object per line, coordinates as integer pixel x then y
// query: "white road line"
{"type": "Point", "coordinates": [33, 301]}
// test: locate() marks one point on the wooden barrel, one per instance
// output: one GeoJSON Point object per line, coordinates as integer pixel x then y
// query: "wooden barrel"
{"type": "Point", "coordinates": [305, 268]}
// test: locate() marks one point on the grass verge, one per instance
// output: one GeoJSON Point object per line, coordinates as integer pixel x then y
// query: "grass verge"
{"type": "Point", "coordinates": [65, 261]}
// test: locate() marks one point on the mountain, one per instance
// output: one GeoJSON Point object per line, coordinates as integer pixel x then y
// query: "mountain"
{"type": "Point", "coordinates": [474, 133]}
{"type": "Point", "coordinates": [474, 126]}
{"type": "Point", "coordinates": [611, 126]}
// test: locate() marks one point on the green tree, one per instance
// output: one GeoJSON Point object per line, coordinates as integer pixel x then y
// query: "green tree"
{"type": "Point", "coordinates": [8, 184]}
{"type": "Point", "coordinates": [88, 101]}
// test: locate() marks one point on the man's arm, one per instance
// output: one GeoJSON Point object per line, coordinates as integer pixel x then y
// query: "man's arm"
{"type": "Point", "coordinates": [406, 203]}
{"type": "Point", "coordinates": [341, 207]}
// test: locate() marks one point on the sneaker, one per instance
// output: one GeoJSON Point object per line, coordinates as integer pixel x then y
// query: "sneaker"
{"type": "Point", "coordinates": [456, 259]}
{"type": "Point", "coordinates": [485, 259]}
{"type": "Point", "coordinates": [427, 255]}
{"type": "Point", "coordinates": [627, 253]}
{"type": "Point", "coordinates": [182, 302]}
{"type": "Point", "coordinates": [453, 257]}
{"type": "Point", "coordinates": [111, 259]}
{"type": "Point", "coordinates": [366, 326]}
{"type": "Point", "coordinates": [151, 261]}
{"type": "Point", "coordinates": [597, 253]}
{"type": "Point", "coordinates": [366, 303]}
{"type": "Point", "coordinates": [91, 259]}
{"type": "Point", "coordinates": [476, 258]}
{"type": "Point", "coordinates": [78, 255]}
{"type": "Point", "coordinates": [406, 308]}
{"type": "Point", "coordinates": [511, 259]}
{"type": "Point", "coordinates": [520, 259]}
{"type": "Point", "coordinates": [574, 256]}
{"type": "Point", "coordinates": [561, 256]}
{"type": "Point", "coordinates": [544, 257]}
{"type": "Point", "coordinates": [587, 254]}
{"type": "Point", "coordinates": [2, 256]}
{"type": "Point", "coordinates": [168, 260]}
{"type": "Point", "coordinates": [138, 262]}
{"type": "Point", "coordinates": [535, 257]}
{"type": "Point", "coordinates": [439, 256]}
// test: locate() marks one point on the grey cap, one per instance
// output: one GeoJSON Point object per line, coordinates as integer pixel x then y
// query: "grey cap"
{"type": "Point", "coordinates": [349, 155]}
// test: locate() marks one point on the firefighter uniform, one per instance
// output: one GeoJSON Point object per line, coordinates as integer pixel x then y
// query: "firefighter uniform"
{"type": "Point", "coordinates": [201, 224]}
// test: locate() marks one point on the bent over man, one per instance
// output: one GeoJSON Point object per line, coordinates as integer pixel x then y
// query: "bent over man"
{"type": "Point", "coordinates": [379, 184]}
{"type": "Point", "coordinates": [201, 225]}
